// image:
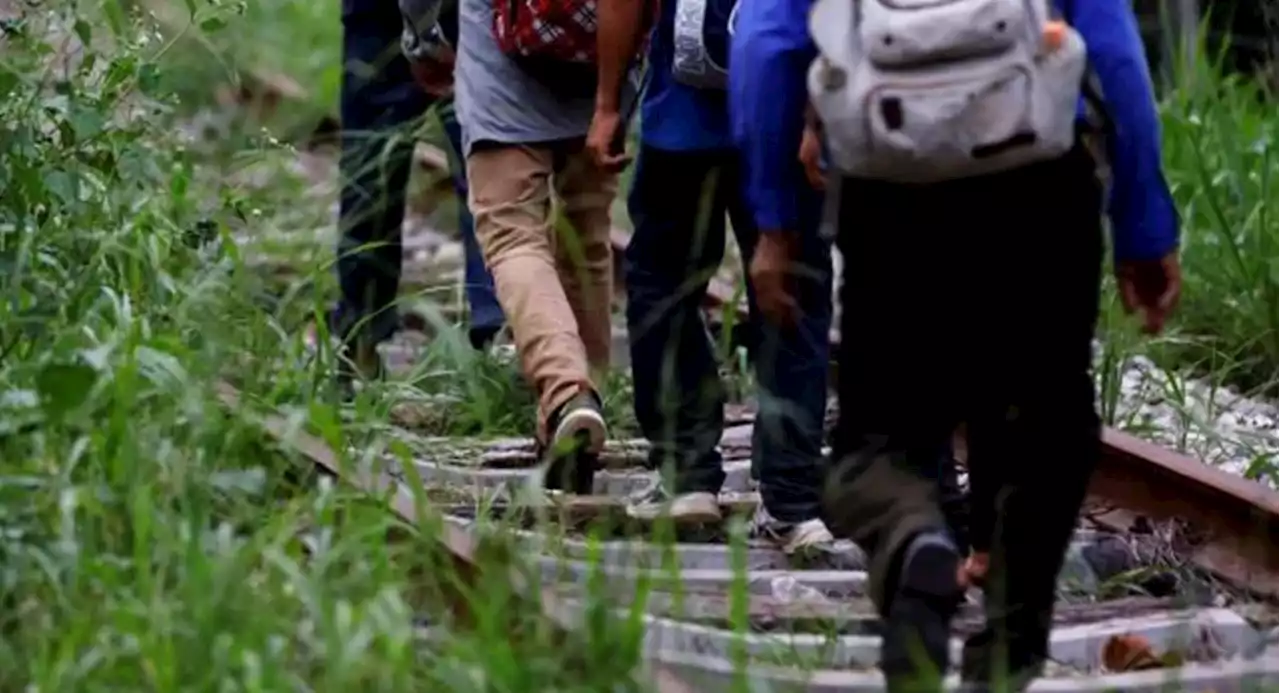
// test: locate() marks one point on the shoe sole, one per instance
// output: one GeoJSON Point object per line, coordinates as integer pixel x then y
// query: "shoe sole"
{"type": "Point", "coordinates": [918, 627]}
{"type": "Point", "coordinates": [584, 426]}
{"type": "Point", "coordinates": [576, 472]}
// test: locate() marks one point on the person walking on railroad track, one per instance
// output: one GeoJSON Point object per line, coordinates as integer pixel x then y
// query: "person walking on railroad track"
{"type": "Point", "coordinates": [687, 178]}
{"type": "Point", "coordinates": [970, 207]}
{"type": "Point", "coordinates": [525, 81]}
{"type": "Point", "coordinates": [378, 98]}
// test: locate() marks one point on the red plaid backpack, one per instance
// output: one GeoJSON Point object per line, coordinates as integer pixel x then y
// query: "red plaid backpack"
{"type": "Point", "coordinates": [559, 30]}
{"type": "Point", "coordinates": [555, 40]}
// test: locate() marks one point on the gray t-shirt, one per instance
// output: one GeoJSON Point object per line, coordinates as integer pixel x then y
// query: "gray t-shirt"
{"type": "Point", "coordinates": [494, 98]}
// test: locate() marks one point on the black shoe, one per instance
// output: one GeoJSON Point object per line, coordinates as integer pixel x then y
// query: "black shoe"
{"type": "Point", "coordinates": [980, 672]}
{"type": "Point", "coordinates": [358, 360]}
{"type": "Point", "coordinates": [358, 363]}
{"type": "Point", "coordinates": [577, 433]}
{"type": "Point", "coordinates": [482, 337]}
{"type": "Point", "coordinates": [915, 650]}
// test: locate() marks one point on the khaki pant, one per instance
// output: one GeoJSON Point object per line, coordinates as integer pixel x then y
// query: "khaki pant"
{"type": "Point", "coordinates": [553, 272]}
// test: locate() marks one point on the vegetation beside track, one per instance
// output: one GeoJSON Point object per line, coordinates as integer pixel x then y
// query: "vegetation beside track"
{"type": "Point", "coordinates": [152, 541]}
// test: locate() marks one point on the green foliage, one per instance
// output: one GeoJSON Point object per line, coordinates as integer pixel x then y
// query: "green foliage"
{"type": "Point", "coordinates": [151, 540]}
{"type": "Point", "coordinates": [1220, 145]}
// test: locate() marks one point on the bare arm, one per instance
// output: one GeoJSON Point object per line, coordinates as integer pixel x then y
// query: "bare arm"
{"type": "Point", "coordinates": [618, 34]}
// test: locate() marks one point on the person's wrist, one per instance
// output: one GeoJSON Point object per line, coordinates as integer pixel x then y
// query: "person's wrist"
{"type": "Point", "coordinates": [778, 239]}
{"type": "Point", "coordinates": [607, 101]}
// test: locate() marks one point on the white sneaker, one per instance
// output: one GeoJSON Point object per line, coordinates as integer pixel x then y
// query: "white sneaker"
{"type": "Point", "coordinates": [792, 537]}
{"type": "Point", "coordinates": [686, 508]}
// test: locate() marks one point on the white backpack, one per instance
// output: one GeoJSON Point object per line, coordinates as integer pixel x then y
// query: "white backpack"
{"type": "Point", "coordinates": [920, 91]}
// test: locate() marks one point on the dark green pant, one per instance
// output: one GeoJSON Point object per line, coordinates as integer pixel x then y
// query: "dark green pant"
{"type": "Point", "coordinates": [1007, 268]}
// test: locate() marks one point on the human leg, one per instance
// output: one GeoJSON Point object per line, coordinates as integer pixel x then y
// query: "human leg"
{"type": "Point", "coordinates": [898, 407]}
{"type": "Point", "coordinates": [1034, 432]}
{"type": "Point", "coordinates": [792, 367]}
{"type": "Point", "coordinates": [675, 249]}
{"type": "Point", "coordinates": [378, 97]}
{"type": "Point", "coordinates": [510, 196]}
{"type": "Point", "coordinates": [584, 252]}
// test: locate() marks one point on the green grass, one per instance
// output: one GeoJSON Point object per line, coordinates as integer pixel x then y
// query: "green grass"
{"type": "Point", "coordinates": [1220, 146]}
{"type": "Point", "coordinates": [1220, 150]}
{"type": "Point", "coordinates": [223, 42]}
{"type": "Point", "coordinates": [151, 540]}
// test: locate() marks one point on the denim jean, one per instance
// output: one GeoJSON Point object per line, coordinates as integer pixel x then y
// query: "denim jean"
{"type": "Point", "coordinates": [380, 105]}
{"type": "Point", "coordinates": [678, 203]}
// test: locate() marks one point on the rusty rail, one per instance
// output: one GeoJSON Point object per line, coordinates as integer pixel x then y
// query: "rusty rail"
{"type": "Point", "coordinates": [1233, 521]}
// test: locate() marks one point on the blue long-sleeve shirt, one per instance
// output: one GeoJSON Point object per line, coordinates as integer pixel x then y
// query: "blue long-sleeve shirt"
{"type": "Point", "coordinates": [771, 54]}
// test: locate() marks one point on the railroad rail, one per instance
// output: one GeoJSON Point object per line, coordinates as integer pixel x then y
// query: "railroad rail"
{"type": "Point", "coordinates": [1236, 522]}
{"type": "Point", "coordinates": [715, 609]}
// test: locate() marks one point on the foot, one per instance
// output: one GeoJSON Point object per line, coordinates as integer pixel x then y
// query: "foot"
{"type": "Point", "coordinates": [987, 668]}
{"type": "Point", "coordinates": [358, 359]}
{"type": "Point", "coordinates": [361, 360]}
{"type": "Point", "coordinates": [482, 338]}
{"type": "Point", "coordinates": [695, 508]}
{"type": "Point", "coordinates": [916, 646]}
{"type": "Point", "coordinates": [577, 435]}
{"type": "Point", "coordinates": [792, 537]}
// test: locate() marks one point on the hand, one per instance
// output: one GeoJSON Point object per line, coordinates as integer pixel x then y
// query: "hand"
{"type": "Point", "coordinates": [1151, 287]}
{"type": "Point", "coordinates": [771, 272]}
{"type": "Point", "coordinates": [973, 571]}
{"type": "Point", "coordinates": [600, 140]}
{"type": "Point", "coordinates": [435, 75]}
{"type": "Point", "coordinates": [811, 158]}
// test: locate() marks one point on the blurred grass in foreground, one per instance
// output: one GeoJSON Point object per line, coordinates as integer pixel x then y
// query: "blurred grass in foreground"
{"type": "Point", "coordinates": [150, 540]}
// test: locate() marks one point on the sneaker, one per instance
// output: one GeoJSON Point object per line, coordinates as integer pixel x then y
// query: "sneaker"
{"type": "Point", "coordinates": [699, 507]}
{"type": "Point", "coordinates": [578, 433]}
{"type": "Point", "coordinates": [792, 537]}
{"type": "Point", "coordinates": [915, 650]}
